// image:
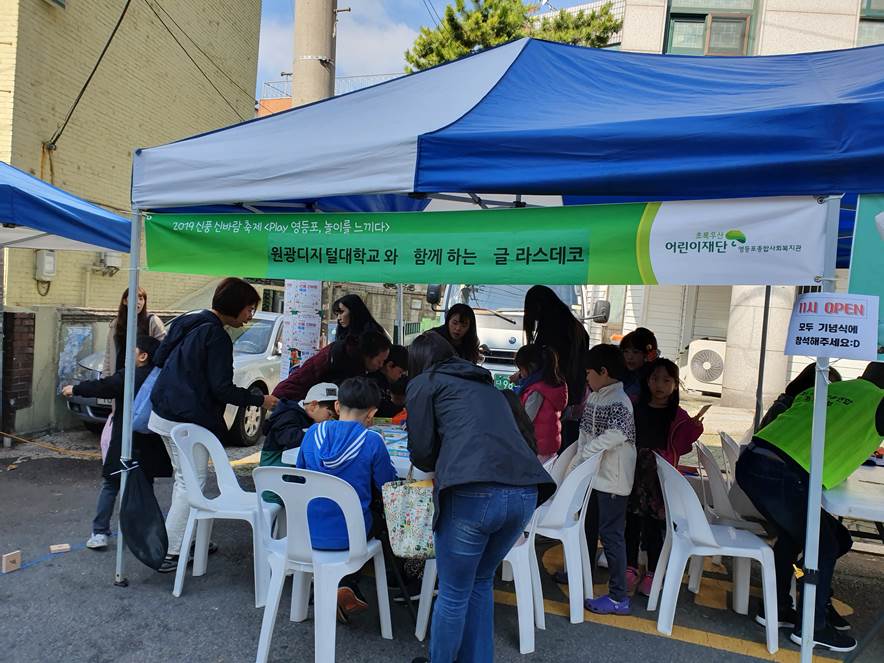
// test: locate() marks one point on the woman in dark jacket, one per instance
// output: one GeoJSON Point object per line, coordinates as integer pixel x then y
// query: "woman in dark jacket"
{"type": "Point", "coordinates": [147, 449]}
{"type": "Point", "coordinates": [195, 386]}
{"type": "Point", "coordinates": [488, 483]}
{"type": "Point", "coordinates": [460, 331]}
{"type": "Point", "coordinates": [548, 321]}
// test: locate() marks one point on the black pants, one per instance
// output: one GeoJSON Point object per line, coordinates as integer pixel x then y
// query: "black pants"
{"type": "Point", "coordinates": [779, 491]}
{"type": "Point", "coordinates": [646, 530]}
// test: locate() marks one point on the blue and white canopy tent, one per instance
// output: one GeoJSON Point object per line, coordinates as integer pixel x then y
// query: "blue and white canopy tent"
{"type": "Point", "coordinates": [36, 215]}
{"type": "Point", "coordinates": [538, 118]}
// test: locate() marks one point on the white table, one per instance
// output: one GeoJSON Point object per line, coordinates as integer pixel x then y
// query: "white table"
{"type": "Point", "coordinates": [860, 496]}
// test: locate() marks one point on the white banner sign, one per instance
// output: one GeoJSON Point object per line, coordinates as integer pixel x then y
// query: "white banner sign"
{"type": "Point", "coordinates": [834, 325]}
{"type": "Point", "coordinates": [764, 241]}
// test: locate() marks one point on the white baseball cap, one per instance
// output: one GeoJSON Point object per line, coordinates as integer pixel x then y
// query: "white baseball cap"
{"type": "Point", "coordinates": [322, 392]}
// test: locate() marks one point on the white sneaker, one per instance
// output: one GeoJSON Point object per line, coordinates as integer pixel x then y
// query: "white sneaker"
{"type": "Point", "coordinates": [97, 541]}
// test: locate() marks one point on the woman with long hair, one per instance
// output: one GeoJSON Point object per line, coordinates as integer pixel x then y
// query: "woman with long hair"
{"type": "Point", "coordinates": [488, 482]}
{"type": "Point", "coordinates": [353, 317]}
{"type": "Point", "coordinates": [459, 329]}
{"type": "Point", "coordinates": [148, 325]}
{"type": "Point", "coordinates": [548, 321]}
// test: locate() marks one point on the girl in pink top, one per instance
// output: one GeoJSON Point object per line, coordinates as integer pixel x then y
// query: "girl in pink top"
{"type": "Point", "coordinates": [544, 395]}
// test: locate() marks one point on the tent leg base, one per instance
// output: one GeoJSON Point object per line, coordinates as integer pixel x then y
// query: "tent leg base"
{"type": "Point", "coordinates": [121, 582]}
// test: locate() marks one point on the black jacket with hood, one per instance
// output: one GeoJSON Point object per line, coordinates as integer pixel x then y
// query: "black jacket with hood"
{"type": "Point", "coordinates": [284, 429]}
{"type": "Point", "coordinates": [461, 427]}
{"type": "Point", "coordinates": [196, 382]}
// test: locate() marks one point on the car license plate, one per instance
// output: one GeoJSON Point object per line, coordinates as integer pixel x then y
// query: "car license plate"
{"type": "Point", "coordinates": [104, 401]}
{"type": "Point", "coordinates": [502, 381]}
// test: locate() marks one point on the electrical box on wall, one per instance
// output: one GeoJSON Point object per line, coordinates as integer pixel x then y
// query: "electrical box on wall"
{"type": "Point", "coordinates": [111, 260]}
{"type": "Point", "coordinates": [44, 265]}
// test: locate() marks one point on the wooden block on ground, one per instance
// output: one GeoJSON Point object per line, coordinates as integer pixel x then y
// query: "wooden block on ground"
{"type": "Point", "coordinates": [60, 548]}
{"type": "Point", "coordinates": [12, 561]}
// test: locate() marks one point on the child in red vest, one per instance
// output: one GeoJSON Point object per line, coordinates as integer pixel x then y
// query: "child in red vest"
{"type": "Point", "coordinates": [661, 427]}
{"type": "Point", "coordinates": [544, 394]}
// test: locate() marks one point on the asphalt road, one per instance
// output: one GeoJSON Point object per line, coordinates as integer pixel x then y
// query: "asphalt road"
{"type": "Point", "coordinates": [65, 608]}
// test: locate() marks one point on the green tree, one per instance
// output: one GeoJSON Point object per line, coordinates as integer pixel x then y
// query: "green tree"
{"type": "Point", "coordinates": [491, 22]}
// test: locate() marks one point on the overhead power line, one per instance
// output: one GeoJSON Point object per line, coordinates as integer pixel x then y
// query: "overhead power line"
{"type": "Point", "coordinates": [207, 56]}
{"type": "Point", "coordinates": [190, 57]}
{"type": "Point", "coordinates": [51, 143]}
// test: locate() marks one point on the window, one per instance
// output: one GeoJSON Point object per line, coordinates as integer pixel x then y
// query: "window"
{"type": "Point", "coordinates": [871, 23]}
{"type": "Point", "coordinates": [710, 27]}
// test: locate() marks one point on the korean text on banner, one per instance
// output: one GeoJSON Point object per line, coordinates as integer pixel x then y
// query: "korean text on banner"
{"type": "Point", "coordinates": [828, 324]}
{"type": "Point", "coordinates": [867, 255]}
{"type": "Point", "coordinates": [774, 241]}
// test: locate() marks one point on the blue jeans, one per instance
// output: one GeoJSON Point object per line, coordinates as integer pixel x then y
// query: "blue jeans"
{"type": "Point", "coordinates": [478, 524]}
{"type": "Point", "coordinates": [107, 498]}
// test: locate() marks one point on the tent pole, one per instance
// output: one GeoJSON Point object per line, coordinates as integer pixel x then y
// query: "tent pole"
{"type": "Point", "coordinates": [129, 382]}
{"type": "Point", "coordinates": [817, 446]}
{"type": "Point", "coordinates": [400, 313]}
{"type": "Point", "coordinates": [759, 390]}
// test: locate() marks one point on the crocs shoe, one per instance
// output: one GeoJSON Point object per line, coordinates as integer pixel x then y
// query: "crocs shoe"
{"type": "Point", "coordinates": [644, 587]}
{"type": "Point", "coordinates": [632, 579]}
{"type": "Point", "coordinates": [605, 605]}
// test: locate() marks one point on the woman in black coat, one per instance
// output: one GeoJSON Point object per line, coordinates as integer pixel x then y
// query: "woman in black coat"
{"type": "Point", "coordinates": [487, 485]}
{"type": "Point", "coordinates": [147, 449]}
{"type": "Point", "coordinates": [459, 329]}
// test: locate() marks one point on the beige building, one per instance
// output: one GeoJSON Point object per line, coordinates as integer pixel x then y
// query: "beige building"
{"type": "Point", "coordinates": [146, 91]}
{"type": "Point", "coordinates": [724, 319]}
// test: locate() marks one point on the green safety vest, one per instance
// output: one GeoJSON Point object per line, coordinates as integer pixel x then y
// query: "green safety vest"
{"type": "Point", "coordinates": [851, 434]}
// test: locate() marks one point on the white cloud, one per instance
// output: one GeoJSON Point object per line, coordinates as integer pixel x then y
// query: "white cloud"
{"type": "Point", "coordinates": [370, 41]}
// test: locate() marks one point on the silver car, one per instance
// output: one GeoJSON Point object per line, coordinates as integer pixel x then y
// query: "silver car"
{"type": "Point", "coordinates": [257, 348]}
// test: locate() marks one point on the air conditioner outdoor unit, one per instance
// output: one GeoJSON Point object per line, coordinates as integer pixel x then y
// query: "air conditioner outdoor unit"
{"type": "Point", "coordinates": [705, 368]}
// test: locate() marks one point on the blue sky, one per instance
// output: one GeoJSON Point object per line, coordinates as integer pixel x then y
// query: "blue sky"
{"type": "Point", "coordinates": [371, 38]}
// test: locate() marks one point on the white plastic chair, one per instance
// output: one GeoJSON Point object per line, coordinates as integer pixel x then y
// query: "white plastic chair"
{"type": "Point", "coordinates": [233, 503]}
{"type": "Point", "coordinates": [521, 566]}
{"type": "Point", "coordinates": [688, 533]}
{"type": "Point", "coordinates": [562, 518]}
{"type": "Point", "coordinates": [731, 451]}
{"type": "Point", "coordinates": [560, 466]}
{"type": "Point", "coordinates": [721, 511]}
{"type": "Point", "coordinates": [295, 556]}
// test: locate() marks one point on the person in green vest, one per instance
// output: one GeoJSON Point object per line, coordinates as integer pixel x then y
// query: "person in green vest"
{"type": "Point", "coordinates": [773, 472]}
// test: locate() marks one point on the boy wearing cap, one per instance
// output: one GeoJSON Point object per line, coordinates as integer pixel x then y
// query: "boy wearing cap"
{"type": "Point", "coordinates": [285, 428]}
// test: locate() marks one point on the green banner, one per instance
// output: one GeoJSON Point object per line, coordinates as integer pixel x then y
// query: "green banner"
{"type": "Point", "coordinates": [867, 255]}
{"type": "Point", "coordinates": [776, 241]}
{"type": "Point", "coordinates": [555, 245]}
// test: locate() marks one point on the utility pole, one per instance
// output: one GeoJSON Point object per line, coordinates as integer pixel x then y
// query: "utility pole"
{"type": "Point", "coordinates": [314, 62]}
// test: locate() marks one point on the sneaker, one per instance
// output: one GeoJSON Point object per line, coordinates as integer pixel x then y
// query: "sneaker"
{"type": "Point", "coordinates": [601, 561]}
{"type": "Point", "coordinates": [608, 606]}
{"type": "Point", "coordinates": [349, 602]}
{"type": "Point", "coordinates": [169, 565]}
{"type": "Point", "coordinates": [413, 587]}
{"type": "Point", "coordinates": [97, 541]}
{"type": "Point", "coordinates": [829, 638]}
{"type": "Point", "coordinates": [834, 620]}
{"type": "Point", "coordinates": [644, 587]}
{"type": "Point", "coordinates": [787, 617]}
{"type": "Point", "coordinates": [632, 579]}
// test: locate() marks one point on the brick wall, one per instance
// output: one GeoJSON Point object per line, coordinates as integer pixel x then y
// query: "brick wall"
{"type": "Point", "coordinates": [18, 364]}
{"type": "Point", "coordinates": [146, 92]}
